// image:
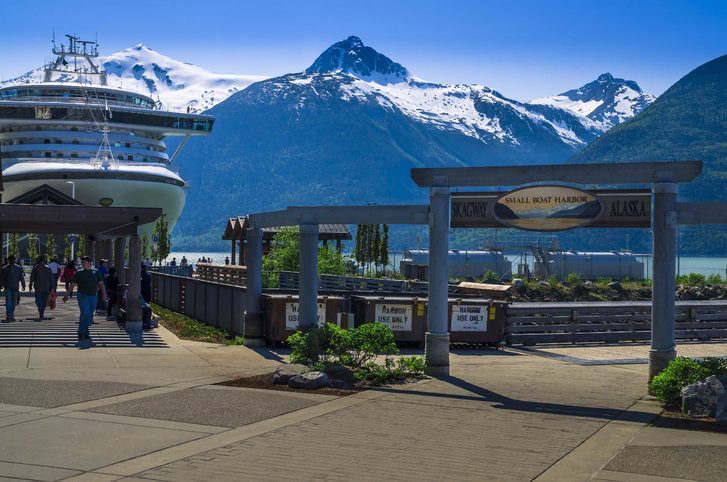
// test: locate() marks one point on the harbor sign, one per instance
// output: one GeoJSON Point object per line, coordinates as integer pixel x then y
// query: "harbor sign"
{"type": "Point", "coordinates": [552, 208]}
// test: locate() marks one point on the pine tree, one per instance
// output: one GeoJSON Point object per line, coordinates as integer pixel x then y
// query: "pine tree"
{"type": "Point", "coordinates": [369, 245]}
{"type": "Point", "coordinates": [358, 249]}
{"type": "Point", "coordinates": [384, 248]}
{"type": "Point", "coordinates": [375, 246]}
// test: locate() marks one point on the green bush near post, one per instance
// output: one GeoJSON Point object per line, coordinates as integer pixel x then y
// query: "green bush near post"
{"type": "Point", "coordinates": [356, 349]}
{"type": "Point", "coordinates": [682, 371]}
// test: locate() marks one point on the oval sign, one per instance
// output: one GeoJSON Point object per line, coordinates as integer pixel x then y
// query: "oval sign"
{"type": "Point", "coordinates": [547, 208]}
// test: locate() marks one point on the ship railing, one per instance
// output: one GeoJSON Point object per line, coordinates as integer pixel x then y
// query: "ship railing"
{"type": "Point", "coordinates": [91, 102]}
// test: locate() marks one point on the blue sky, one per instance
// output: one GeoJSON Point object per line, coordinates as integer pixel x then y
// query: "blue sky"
{"type": "Point", "coordinates": [524, 49]}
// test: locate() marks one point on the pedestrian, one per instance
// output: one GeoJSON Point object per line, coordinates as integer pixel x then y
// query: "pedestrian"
{"type": "Point", "coordinates": [55, 268]}
{"type": "Point", "coordinates": [11, 276]}
{"type": "Point", "coordinates": [227, 260]}
{"type": "Point", "coordinates": [145, 284]}
{"type": "Point", "coordinates": [184, 261]}
{"type": "Point", "coordinates": [89, 281]}
{"type": "Point", "coordinates": [173, 262]}
{"type": "Point", "coordinates": [41, 278]}
{"type": "Point", "coordinates": [112, 290]}
{"type": "Point", "coordinates": [68, 272]}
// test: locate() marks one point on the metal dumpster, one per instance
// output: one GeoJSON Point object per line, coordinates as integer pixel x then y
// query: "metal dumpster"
{"type": "Point", "coordinates": [281, 314]}
{"type": "Point", "coordinates": [406, 316]}
{"type": "Point", "coordinates": [476, 321]}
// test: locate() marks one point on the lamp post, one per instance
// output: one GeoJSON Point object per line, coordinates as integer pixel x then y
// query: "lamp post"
{"type": "Point", "coordinates": [73, 238]}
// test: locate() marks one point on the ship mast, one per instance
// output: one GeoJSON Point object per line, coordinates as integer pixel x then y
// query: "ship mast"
{"type": "Point", "coordinates": [68, 59]}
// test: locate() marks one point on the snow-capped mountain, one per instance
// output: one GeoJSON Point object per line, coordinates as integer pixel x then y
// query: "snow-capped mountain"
{"type": "Point", "coordinates": [177, 85]}
{"type": "Point", "coordinates": [607, 101]}
{"type": "Point", "coordinates": [349, 129]}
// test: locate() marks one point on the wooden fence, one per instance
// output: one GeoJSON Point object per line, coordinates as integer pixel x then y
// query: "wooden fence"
{"type": "Point", "coordinates": [185, 271]}
{"type": "Point", "coordinates": [215, 304]}
{"type": "Point", "coordinates": [533, 323]}
{"type": "Point", "coordinates": [226, 274]}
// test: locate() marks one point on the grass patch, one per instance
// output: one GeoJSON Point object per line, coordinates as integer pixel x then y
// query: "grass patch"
{"type": "Point", "coordinates": [188, 328]}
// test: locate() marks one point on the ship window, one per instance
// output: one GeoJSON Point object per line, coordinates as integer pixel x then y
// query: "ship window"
{"type": "Point", "coordinates": [74, 129]}
{"type": "Point", "coordinates": [46, 141]}
{"type": "Point", "coordinates": [58, 141]}
{"type": "Point", "coordinates": [74, 155]}
{"type": "Point", "coordinates": [46, 154]}
{"type": "Point", "coordinates": [59, 154]}
{"type": "Point", "coordinates": [120, 158]}
{"type": "Point", "coordinates": [127, 145]}
{"type": "Point", "coordinates": [129, 158]}
{"type": "Point", "coordinates": [74, 141]}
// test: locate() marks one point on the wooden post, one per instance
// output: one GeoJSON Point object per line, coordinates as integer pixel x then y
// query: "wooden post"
{"type": "Point", "coordinates": [253, 327]}
{"type": "Point", "coordinates": [233, 252]}
{"type": "Point", "coordinates": [308, 284]}
{"type": "Point", "coordinates": [133, 309]}
{"type": "Point", "coordinates": [119, 248]}
{"type": "Point", "coordinates": [436, 343]}
{"type": "Point", "coordinates": [663, 348]}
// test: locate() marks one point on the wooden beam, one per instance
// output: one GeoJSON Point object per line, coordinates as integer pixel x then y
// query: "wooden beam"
{"type": "Point", "coordinates": [702, 213]}
{"type": "Point", "coordinates": [376, 214]}
{"type": "Point", "coordinates": [617, 173]}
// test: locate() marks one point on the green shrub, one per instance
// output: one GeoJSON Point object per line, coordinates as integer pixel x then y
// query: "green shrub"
{"type": "Point", "coordinates": [368, 340]}
{"type": "Point", "coordinates": [391, 371]}
{"type": "Point", "coordinates": [490, 277]}
{"type": "Point", "coordinates": [553, 282]}
{"type": "Point", "coordinates": [603, 281]}
{"type": "Point", "coordinates": [238, 340]}
{"type": "Point", "coordinates": [413, 364]}
{"type": "Point", "coordinates": [574, 279]}
{"type": "Point", "coordinates": [692, 279]}
{"type": "Point", "coordinates": [667, 385]}
{"type": "Point", "coordinates": [714, 279]}
{"type": "Point", "coordinates": [715, 366]}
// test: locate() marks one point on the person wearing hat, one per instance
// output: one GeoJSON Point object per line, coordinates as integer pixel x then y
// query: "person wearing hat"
{"type": "Point", "coordinates": [10, 277]}
{"type": "Point", "coordinates": [89, 281]}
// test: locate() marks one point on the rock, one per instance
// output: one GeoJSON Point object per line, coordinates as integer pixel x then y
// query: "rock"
{"type": "Point", "coordinates": [615, 285]}
{"type": "Point", "coordinates": [285, 372]}
{"type": "Point", "coordinates": [339, 384]}
{"type": "Point", "coordinates": [543, 283]}
{"type": "Point", "coordinates": [309, 381]}
{"type": "Point", "coordinates": [518, 283]}
{"type": "Point", "coordinates": [589, 284]}
{"type": "Point", "coordinates": [700, 399]}
{"type": "Point", "coordinates": [721, 411]}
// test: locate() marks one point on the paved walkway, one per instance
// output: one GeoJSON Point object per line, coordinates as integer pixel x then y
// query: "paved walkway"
{"type": "Point", "coordinates": [148, 408]}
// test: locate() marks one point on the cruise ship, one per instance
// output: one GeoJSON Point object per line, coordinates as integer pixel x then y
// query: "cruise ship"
{"type": "Point", "coordinates": [100, 145]}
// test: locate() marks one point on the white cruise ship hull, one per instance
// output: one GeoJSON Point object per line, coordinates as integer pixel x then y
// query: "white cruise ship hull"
{"type": "Point", "coordinates": [128, 185]}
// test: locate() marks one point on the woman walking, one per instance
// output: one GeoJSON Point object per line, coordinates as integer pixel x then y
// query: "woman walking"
{"type": "Point", "coordinates": [68, 273]}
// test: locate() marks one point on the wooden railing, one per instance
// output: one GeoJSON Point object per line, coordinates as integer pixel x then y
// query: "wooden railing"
{"type": "Point", "coordinates": [185, 271]}
{"type": "Point", "coordinates": [327, 282]}
{"type": "Point", "coordinates": [533, 323]}
{"type": "Point", "coordinates": [227, 274]}
{"type": "Point", "coordinates": [216, 304]}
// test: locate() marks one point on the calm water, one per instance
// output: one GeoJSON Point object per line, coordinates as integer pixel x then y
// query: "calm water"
{"type": "Point", "coordinates": [685, 265]}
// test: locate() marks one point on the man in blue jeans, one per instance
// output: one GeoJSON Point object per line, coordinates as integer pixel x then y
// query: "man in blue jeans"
{"type": "Point", "coordinates": [89, 281]}
{"type": "Point", "coordinates": [11, 276]}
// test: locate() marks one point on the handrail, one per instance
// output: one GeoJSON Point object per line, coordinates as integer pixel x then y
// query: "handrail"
{"type": "Point", "coordinates": [227, 274]}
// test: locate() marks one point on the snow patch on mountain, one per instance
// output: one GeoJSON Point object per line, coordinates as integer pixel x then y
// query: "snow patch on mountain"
{"type": "Point", "coordinates": [176, 85]}
{"type": "Point", "coordinates": [606, 102]}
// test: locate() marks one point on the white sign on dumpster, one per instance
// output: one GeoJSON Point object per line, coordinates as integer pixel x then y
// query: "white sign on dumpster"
{"type": "Point", "coordinates": [469, 317]}
{"type": "Point", "coordinates": [292, 311]}
{"type": "Point", "coordinates": [396, 317]}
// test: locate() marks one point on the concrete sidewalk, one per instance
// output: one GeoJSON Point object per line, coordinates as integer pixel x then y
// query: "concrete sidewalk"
{"type": "Point", "coordinates": [130, 409]}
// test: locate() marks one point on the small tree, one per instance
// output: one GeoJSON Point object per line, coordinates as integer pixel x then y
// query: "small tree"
{"type": "Point", "coordinates": [164, 241]}
{"type": "Point", "coordinates": [81, 246]}
{"type": "Point", "coordinates": [32, 247]}
{"type": "Point", "coordinates": [145, 245]}
{"type": "Point", "coordinates": [358, 250]}
{"type": "Point", "coordinates": [50, 246]}
{"type": "Point", "coordinates": [67, 251]}
{"type": "Point", "coordinates": [13, 249]}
